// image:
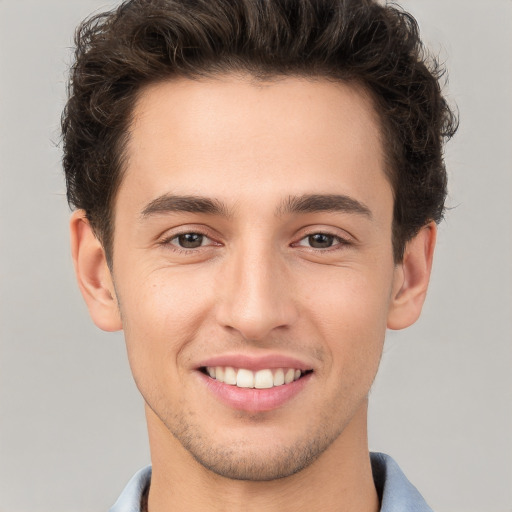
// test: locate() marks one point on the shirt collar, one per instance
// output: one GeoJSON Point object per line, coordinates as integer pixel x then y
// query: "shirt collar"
{"type": "Point", "coordinates": [130, 499]}
{"type": "Point", "coordinates": [396, 493]}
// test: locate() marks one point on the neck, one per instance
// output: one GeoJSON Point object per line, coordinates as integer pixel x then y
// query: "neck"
{"type": "Point", "coordinates": [340, 480]}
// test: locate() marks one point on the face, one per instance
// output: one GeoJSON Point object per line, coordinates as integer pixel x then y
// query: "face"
{"type": "Point", "coordinates": [253, 247]}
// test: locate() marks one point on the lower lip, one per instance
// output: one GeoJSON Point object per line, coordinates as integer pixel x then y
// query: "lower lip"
{"type": "Point", "coordinates": [254, 400]}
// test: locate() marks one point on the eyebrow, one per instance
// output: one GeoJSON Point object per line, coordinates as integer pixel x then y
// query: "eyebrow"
{"type": "Point", "coordinates": [307, 203]}
{"type": "Point", "coordinates": [192, 204]}
{"type": "Point", "coordinates": [313, 203]}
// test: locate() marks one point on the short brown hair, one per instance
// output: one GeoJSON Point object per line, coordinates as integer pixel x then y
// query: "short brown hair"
{"type": "Point", "coordinates": [144, 41]}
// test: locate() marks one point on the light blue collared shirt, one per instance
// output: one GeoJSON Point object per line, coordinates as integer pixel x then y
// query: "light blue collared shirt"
{"type": "Point", "coordinates": [396, 493]}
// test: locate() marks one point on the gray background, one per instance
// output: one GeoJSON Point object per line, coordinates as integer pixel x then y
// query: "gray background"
{"type": "Point", "coordinates": [72, 425]}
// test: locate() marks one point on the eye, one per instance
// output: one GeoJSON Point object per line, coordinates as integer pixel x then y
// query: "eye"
{"type": "Point", "coordinates": [321, 241]}
{"type": "Point", "coordinates": [190, 240]}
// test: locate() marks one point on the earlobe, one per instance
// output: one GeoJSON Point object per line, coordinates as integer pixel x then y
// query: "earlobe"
{"type": "Point", "coordinates": [411, 279]}
{"type": "Point", "coordinates": [93, 274]}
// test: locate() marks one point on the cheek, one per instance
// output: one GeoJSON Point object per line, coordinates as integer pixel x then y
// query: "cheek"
{"type": "Point", "coordinates": [349, 309]}
{"type": "Point", "coordinates": [161, 313]}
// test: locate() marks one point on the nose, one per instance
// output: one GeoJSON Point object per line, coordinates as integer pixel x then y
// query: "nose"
{"type": "Point", "coordinates": [257, 294]}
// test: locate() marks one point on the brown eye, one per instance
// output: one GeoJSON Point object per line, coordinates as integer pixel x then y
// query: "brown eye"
{"type": "Point", "coordinates": [321, 240]}
{"type": "Point", "coordinates": [189, 240]}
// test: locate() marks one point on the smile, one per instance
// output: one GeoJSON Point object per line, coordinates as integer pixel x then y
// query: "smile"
{"type": "Point", "coordinates": [261, 379]}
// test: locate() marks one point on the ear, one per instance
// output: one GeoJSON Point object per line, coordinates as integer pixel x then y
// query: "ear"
{"type": "Point", "coordinates": [411, 279]}
{"type": "Point", "coordinates": [93, 274]}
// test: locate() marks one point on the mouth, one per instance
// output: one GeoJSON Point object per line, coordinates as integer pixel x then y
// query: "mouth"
{"type": "Point", "coordinates": [255, 383]}
{"type": "Point", "coordinates": [266, 378]}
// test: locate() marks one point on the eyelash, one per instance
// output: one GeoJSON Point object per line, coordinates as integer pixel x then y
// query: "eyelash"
{"type": "Point", "coordinates": [338, 242]}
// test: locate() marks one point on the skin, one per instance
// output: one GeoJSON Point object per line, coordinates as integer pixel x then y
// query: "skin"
{"type": "Point", "coordinates": [255, 286]}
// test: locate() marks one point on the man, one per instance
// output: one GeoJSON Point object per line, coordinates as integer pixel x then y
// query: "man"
{"type": "Point", "coordinates": [257, 186]}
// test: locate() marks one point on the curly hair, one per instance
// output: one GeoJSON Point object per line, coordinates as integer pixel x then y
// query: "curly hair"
{"type": "Point", "coordinates": [144, 41]}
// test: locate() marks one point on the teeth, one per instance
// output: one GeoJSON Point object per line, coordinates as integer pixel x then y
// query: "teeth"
{"type": "Point", "coordinates": [262, 379]}
{"type": "Point", "coordinates": [245, 379]}
{"type": "Point", "coordinates": [279, 377]}
{"type": "Point", "coordinates": [289, 376]}
{"type": "Point", "coordinates": [229, 376]}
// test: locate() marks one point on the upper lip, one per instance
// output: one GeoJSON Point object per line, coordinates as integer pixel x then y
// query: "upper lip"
{"type": "Point", "coordinates": [255, 363]}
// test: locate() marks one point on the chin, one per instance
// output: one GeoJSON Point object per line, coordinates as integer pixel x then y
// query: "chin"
{"type": "Point", "coordinates": [238, 460]}
{"type": "Point", "coordinates": [256, 468]}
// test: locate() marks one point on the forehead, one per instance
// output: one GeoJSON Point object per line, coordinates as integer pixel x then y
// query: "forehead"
{"type": "Point", "coordinates": [229, 134]}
